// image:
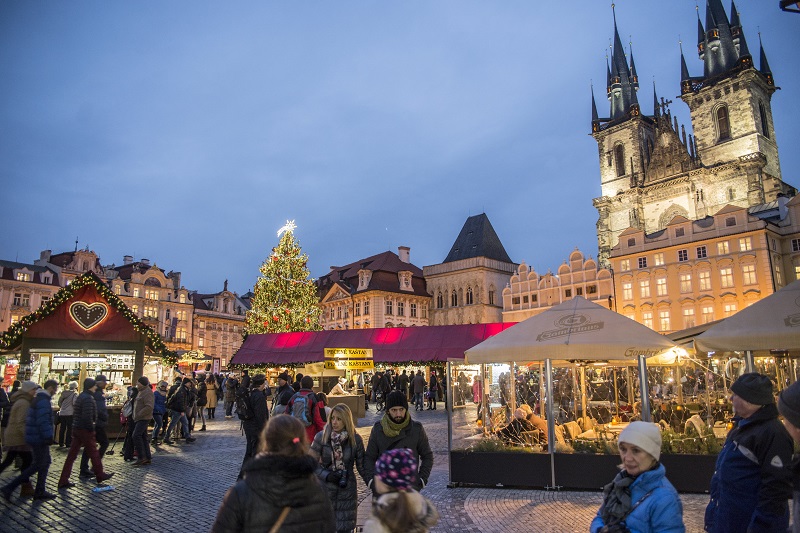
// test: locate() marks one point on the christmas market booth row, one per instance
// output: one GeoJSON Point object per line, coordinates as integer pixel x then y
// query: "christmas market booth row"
{"type": "Point", "coordinates": [578, 374]}
{"type": "Point", "coordinates": [85, 330]}
{"type": "Point", "coordinates": [352, 353]}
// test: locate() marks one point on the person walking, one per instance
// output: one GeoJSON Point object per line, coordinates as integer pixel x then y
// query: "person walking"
{"type": "Point", "coordinates": [211, 395]}
{"type": "Point", "coordinates": [309, 411]}
{"type": "Point", "coordinates": [433, 391]}
{"type": "Point", "coordinates": [403, 383]}
{"type": "Point", "coordinates": [399, 508]}
{"type": "Point", "coordinates": [231, 384]}
{"type": "Point", "coordinates": [143, 408]}
{"type": "Point", "coordinates": [128, 448]}
{"type": "Point", "coordinates": [101, 422]}
{"type": "Point", "coordinates": [418, 386]}
{"type": "Point", "coordinates": [640, 498]}
{"type": "Point", "coordinates": [340, 451]}
{"type": "Point", "coordinates": [283, 394]}
{"type": "Point", "coordinates": [66, 401]}
{"type": "Point", "coordinates": [177, 404]}
{"type": "Point", "coordinates": [396, 429]}
{"type": "Point", "coordinates": [752, 484]}
{"type": "Point", "coordinates": [159, 408]}
{"type": "Point", "coordinates": [202, 402]}
{"type": "Point", "coordinates": [83, 436]}
{"type": "Point", "coordinates": [5, 405]}
{"type": "Point", "coordinates": [16, 446]}
{"type": "Point", "coordinates": [258, 417]}
{"type": "Point", "coordinates": [39, 436]}
{"type": "Point", "coordinates": [279, 489]}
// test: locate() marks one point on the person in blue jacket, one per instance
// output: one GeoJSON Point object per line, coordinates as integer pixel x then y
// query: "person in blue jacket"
{"type": "Point", "coordinates": [640, 498]}
{"type": "Point", "coordinates": [752, 481]}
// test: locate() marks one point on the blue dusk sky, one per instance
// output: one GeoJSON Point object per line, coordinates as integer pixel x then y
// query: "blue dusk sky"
{"type": "Point", "coordinates": [188, 132]}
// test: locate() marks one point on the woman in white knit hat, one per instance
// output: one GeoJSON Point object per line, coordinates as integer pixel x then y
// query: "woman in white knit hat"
{"type": "Point", "coordinates": [640, 499]}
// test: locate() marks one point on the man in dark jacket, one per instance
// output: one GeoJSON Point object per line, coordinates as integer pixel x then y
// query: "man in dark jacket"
{"type": "Point", "coordinates": [283, 394]}
{"type": "Point", "coordinates": [397, 430]}
{"type": "Point", "coordinates": [403, 382]}
{"type": "Point", "coordinates": [100, 435]}
{"type": "Point", "coordinates": [252, 426]}
{"type": "Point", "coordinates": [752, 483]}
{"type": "Point", "coordinates": [38, 435]}
{"type": "Point", "coordinates": [143, 407]}
{"type": "Point", "coordinates": [84, 420]}
{"type": "Point", "coordinates": [177, 403]}
{"type": "Point", "coordinates": [230, 385]}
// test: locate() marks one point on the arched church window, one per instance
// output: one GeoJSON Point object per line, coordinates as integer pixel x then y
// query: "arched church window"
{"type": "Point", "coordinates": [723, 123]}
{"type": "Point", "coordinates": [469, 295]}
{"type": "Point", "coordinates": [764, 126]}
{"type": "Point", "coordinates": [439, 301]}
{"type": "Point", "coordinates": [619, 159]}
{"type": "Point", "coordinates": [454, 299]}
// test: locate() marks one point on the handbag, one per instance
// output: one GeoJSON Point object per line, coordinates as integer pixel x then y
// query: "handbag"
{"type": "Point", "coordinates": [277, 525]}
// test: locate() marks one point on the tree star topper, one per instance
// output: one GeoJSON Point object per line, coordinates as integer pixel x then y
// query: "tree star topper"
{"type": "Point", "coordinates": [289, 226]}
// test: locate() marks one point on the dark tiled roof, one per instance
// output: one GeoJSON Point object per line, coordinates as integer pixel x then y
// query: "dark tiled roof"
{"type": "Point", "coordinates": [197, 301]}
{"type": "Point", "coordinates": [125, 271]}
{"type": "Point", "coordinates": [477, 239]}
{"type": "Point", "coordinates": [38, 271]}
{"type": "Point", "coordinates": [384, 267]}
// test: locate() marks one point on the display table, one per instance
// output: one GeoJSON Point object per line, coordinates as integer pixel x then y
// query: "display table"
{"type": "Point", "coordinates": [354, 401]}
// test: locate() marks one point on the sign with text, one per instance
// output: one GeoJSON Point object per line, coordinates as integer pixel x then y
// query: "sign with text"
{"type": "Point", "coordinates": [348, 359]}
{"type": "Point", "coordinates": [344, 353]}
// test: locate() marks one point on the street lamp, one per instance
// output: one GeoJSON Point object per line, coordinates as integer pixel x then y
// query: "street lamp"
{"type": "Point", "coordinates": [792, 6]}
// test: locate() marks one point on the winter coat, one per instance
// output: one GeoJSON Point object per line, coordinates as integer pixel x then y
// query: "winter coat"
{"type": "Point", "coordinates": [477, 391]}
{"type": "Point", "coordinates": [66, 401]}
{"type": "Point", "coordinates": [412, 436]}
{"type": "Point", "coordinates": [15, 432]}
{"type": "Point", "coordinates": [39, 422]}
{"type": "Point", "coordinates": [85, 415]}
{"type": "Point", "coordinates": [317, 423]}
{"type": "Point", "coordinates": [512, 432]}
{"type": "Point", "coordinates": [231, 385]}
{"type": "Point", "coordinates": [258, 402]}
{"type": "Point", "coordinates": [752, 482]}
{"type": "Point", "coordinates": [179, 399]}
{"type": "Point", "coordinates": [345, 501]}
{"type": "Point", "coordinates": [211, 395]}
{"type": "Point", "coordinates": [423, 510]}
{"type": "Point", "coordinates": [283, 395]}
{"type": "Point", "coordinates": [202, 394]}
{"type": "Point", "coordinates": [272, 482]}
{"type": "Point", "coordinates": [661, 511]}
{"type": "Point", "coordinates": [143, 405]}
{"type": "Point", "coordinates": [102, 411]}
{"type": "Point", "coordinates": [418, 384]}
{"type": "Point", "coordinates": [402, 382]}
{"type": "Point", "coordinates": [795, 468]}
{"type": "Point", "coordinates": [5, 405]}
{"type": "Point", "coordinates": [159, 402]}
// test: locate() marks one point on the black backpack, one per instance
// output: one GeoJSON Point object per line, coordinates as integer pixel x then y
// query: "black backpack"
{"type": "Point", "coordinates": [243, 408]}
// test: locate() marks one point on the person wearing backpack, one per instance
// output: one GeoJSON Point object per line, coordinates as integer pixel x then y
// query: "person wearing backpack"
{"type": "Point", "coordinates": [253, 413]}
{"type": "Point", "coordinates": [177, 403]}
{"type": "Point", "coordinates": [283, 394]}
{"type": "Point", "coordinates": [304, 407]}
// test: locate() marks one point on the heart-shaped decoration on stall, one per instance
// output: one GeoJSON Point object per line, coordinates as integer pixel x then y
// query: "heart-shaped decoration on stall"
{"type": "Point", "coordinates": [86, 315]}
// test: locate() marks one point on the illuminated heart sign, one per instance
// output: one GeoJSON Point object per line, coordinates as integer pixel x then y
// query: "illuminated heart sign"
{"type": "Point", "coordinates": [86, 315]}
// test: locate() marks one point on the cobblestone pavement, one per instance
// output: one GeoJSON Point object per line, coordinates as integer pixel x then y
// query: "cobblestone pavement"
{"type": "Point", "coordinates": [186, 483]}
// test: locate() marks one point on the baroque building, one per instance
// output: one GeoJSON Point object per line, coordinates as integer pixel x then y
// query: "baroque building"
{"type": "Point", "coordinates": [218, 323]}
{"type": "Point", "coordinates": [529, 293]}
{"type": "Point", "coordinates": [651, 171]}
{"type": "Point", "coordinates": [465, 287]}
{"type": "Point", "coordinates": [23, 289]}
{"type": "Point", "coordinates": [384, 290]}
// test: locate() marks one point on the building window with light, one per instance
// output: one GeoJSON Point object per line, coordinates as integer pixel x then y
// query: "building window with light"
{"type": "Point", "coordinates": [424, 311]}
{"type": "Point", "coordinates": [728, 310]}
{"type": "Point", "coordinates": [201, 342]}
{"type": "Point", "coordinates": [357, 309]}
{"type": "Point", "coordinates": [117, 290]}
{"type": "Point", "coordinates": [413, 310]}
{"type": "Point", "coordinates": [182, 298]}
{"type": "Point", "coordinates": [366, 308]}
{"type": "Point", "coordinates": [23, 276]}
{"type": "Point", "coordinates": [401, 309]}
{"type": "Point", "coordinates": [332, 314]}
{"type": "Point", "coordinates": [683, 255]}
{"type": "Point", "coordinates": [180, 334]}
{"type": "Point", "coordinates": [45, 299]}
{"type": "Point", "coordinates": [707, 312]}
{"type": "Point", "coordinates": [644, 288]}
{"type": "Point", "coordinates": [627, 291]}
{"type": "Point", "coordinates": [722, 248]}
{"type": "Point", "coordinates": [625, 265]}
{"type": "Point", "coordinates": [339, 312]}
{"type": "Point", "coordinates": [136, 292]}
{"type": "Point", "coordinates": [704, 276]}
{"type": "Point", "coordinates": [702, 252]}
{"type": "Point", "coordinates": [647, 319]}
{"type": "Point", "coordinates": [661, 286]}
{"type": "Point", "coordinates": [749, 275]}
{"type": "Point", "coordinates": [663, 320]}
{"type": "Point", "coordinates": [688, 318]}
{"type": "Point", "coordinates": [686, 282]}
{"type": "Point", "coordinates": [135, 309]}
{"type": "Point", "coordinates": [658, 259]}
{"type": "Point", "coordinates": [726, 277]}
{"type": "Point", "coordinates": [151, 294]}
{"type": "Point", "coordinates": [389, 306]}
{"type": "Point", "coordinates": [150, 311]}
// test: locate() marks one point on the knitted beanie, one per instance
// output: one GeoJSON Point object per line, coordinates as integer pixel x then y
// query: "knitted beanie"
{"type": "Point", "coordinates": [397, 468]}
{"type": "Point", "coordinates": [396, 399]}
{"type": "Point", "coordinates": [645, 435]}
{"type": "Point", "coordinates": [754, 388]}
{"type": "Point", "coordinates": [789, 404]}
{"type": "Point", "coordinates": [88, 383]}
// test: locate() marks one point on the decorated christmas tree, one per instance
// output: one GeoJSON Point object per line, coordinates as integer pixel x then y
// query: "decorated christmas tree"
{"type": "Point", "coordinates": [284, 297]}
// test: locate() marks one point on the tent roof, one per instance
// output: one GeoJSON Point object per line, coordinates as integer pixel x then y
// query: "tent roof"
{"type": "Point", "coordinates": [388, 345]}
{"type": "Point", "coordinates": [772, 323]}
{"type": "Point", "coordinates": [574, 330]}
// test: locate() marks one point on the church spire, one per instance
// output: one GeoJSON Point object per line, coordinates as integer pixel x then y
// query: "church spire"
{"type": "Point", "coordinates": [624, 82]}
{"type": "Point", "coordinates": [763, 65]}
{"type": "Point", "coordinates": [686, 80]}
{"type": "Point", "coordinates": [656, 107]}
{"type": "Point", "coordinates": [595, 117]}
{"type": "Point", "coordinates": [719, 51]}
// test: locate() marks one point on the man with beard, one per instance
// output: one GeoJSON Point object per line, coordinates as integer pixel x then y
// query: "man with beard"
{"type": "Point", "coordinates": [397, 430]}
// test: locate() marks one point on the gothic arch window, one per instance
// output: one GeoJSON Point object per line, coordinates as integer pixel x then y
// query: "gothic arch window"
{"type": "Point", "coordinates": [439, 301]}
{"type": "Point", "coordinates": [671, 212]}
{"type": "Point", "coordinates": [619, 159]}
{"type": "Point", "coordinates": [764, 125]}
{"type": "Point", "coordinates": [469, 295]}
{"type": "Point", "coordinates": [454, 299]}
{"type": "Point", "coordinates": [723, 123]}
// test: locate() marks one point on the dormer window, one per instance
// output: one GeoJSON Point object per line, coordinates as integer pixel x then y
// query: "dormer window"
{"type": "Point", "coordinates": [405, 280]}
{"type": "Point", "coordinates": [364, 277]}
{"type": "Point", "coordinates": [23, 276]}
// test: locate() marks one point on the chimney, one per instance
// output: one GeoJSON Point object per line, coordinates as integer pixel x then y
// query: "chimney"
{"type": "Point", "coordinates": [127, 260]}
{"type": "Point", "coordinates": [404, 252]}
{"type": "Point", "coordinates": [44, 257]}
{"type": "Point", "coordinates": [145, 262]}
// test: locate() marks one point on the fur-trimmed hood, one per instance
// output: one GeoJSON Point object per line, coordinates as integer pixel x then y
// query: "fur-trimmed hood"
{"type": "Point", "coordinates": [280, 479]}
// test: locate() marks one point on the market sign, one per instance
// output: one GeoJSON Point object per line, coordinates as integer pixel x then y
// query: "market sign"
{"type": "Point", "coordinates": [88, 316]}
{"type": "Point", "coordinates": [349, 359]}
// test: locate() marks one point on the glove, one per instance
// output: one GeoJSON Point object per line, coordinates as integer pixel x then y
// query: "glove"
{"type": "Point", "coordinates": [333, 477]}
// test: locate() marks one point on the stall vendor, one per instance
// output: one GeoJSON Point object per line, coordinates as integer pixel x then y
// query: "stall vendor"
{"type": "Point", "coordinates": [338, 389]}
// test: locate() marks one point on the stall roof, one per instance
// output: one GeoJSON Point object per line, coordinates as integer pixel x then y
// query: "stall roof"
{"type": "Point", "coordinates": [388, 345]}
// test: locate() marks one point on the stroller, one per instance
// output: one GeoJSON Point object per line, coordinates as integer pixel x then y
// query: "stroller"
{"type": "Point", "coordinates": [380, 400]}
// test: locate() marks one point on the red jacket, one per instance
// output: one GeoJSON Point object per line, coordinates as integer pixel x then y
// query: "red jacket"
{"type": "Point", "coordinates": [317, 420]}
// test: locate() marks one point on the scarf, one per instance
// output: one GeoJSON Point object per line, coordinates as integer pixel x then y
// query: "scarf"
{"type": "Point", "coordinates": [336, 446]}
{"type": "Point", "coordinates": [617, 498]}
{"type": "Point", "coordinates": [392, 429]}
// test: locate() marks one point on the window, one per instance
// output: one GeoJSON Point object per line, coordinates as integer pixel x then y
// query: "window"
{"type": "Point", "coordinates": [630, 314]}
{"type": "Point", "coordinates": [15, 319]}
{"type": "Point", "coordinates": [167, 314]}
{"type": "Point", "coordinates": [764, 126]}
{"type": "Point", "coordinates": [731, 194]}
{"type": "Point", "coordinates": [332, 313]}
{"type": "Point", "coordinates": [45, 299]}
{"type": "Point", "coordinates": [661, 286]}
{"type": "Point", "coordinates": [705, 280]}
{"type": "Point", "coordinates": [366, 308]}
{"type": "Point", "coordinates": [401, 309]}
{"type": "Point", "coordinates": [683, 255]}
{"type": "Point", "coordinates": [567, 293]}
{"type": "Point", "coordinates": [135, 309]}
{"type": "Point", "coordinates": [686, 282]}
{"type": "Point", "coordinates": [625, 265]}
{"type": "Point", "coordinates": [647, 319]}
{"type": "Point", "coordinates": [723, 125]}
{"type": "Point", "coordinates": [778, 276]}
{"type": "Point", "coordinates": [136, 292]}
{"type": "Point", "coordinates": [619, 159]}
{"type": "Point", "coordinates": [181, 315]}
{"type": "Point", "coordinates": [151, 294]}
{"type": "Point", "coordinates": [23, 276]}
{"type": "Point", "coordinates": [627, 291]}
{"type": "Point", "coordinates": [515, 300]}
{"type": "Point", "coordinates": [726, 277]}
{"type": "Point", "coordinates": [347, 312]}
{"type": "Point", "coordinates": [534, 298]}
{"type": "Point", "coordinates": [632, 241]}
{"type": "Point", "coordinates": [150, 311]}
{"type": "Point", "coordinates": [679, 232]}
{"type": "Point", "coordinates": [339, 311]}
{"type": "Point", "coordinates": [453, 299]}
{"type": "Point", "coordinates": [579, 291]}
{"type": "Point", "coordinates": [591, 289]}
{"type": "Point", "coordinates": [439, 301]}
{"type": "Point", "coordinates": [180, 334]}
{"type": "Point", "coordinates": [730, 221]}
{"type": "Point", "coordinates": [201, 324]}
{"type": "Point", "coordinates": [796, 245]}
{"type": "Point", "coordinates": [525, 299]}
{"type": "Point", "coordinates": [722, 248]}
{"type": "Point", "coordinates": [201, 342]}
{"type": "Point", "coordinates": [182, 298]}
{"type": "Point", "coordinates": [749, 274]}
{"type": "Point", "coordinates": [658, 259]}
{"type": "Point", "coordinates": [469, 296]}
{"type": "Point", "coordinates": [642, 262]}
{"type": "Point", "coordinates": [688, 318]}
{"type": "Point", "coordinates": [707, 314]}
{"type": "Point", "coordinates": [357, 309]}
{"type": "Point", "coordinates": [424, 311]}
{"type": "Point", "coordinates": [663, 320]}
{"type": "Point", "coordinates": [22, 300]}
{"type": "Point", "coordinates": [702, 253]}
{"type": "Point", "coordinates": [117, 290]}
{"type": "Point", "coordinates": [491, 297]}
{"type": "Point", "coordinates": [728, 309]}
{"type": "Point", "coordinates": [644, 288]}
{"type": "Point", "coordinates": [413, 309]}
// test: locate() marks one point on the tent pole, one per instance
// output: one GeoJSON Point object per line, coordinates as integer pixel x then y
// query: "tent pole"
{"type": "Point", "coordinates": [512, 384]}
{"type": "Point", "coordinates": [748, 361]}
{"type": "Point", "coordinates": [679, 383]}
{"type": "Point", "coordinates": [616, 391]}
{"type": "Point", "coordinates": [646, 415]}
{"type": "Point", "coordinates": [582, 370]}
{"type": "Point", "coordinates": [551, 422]}
{"type": "Point", "coordinates": [448, 407]}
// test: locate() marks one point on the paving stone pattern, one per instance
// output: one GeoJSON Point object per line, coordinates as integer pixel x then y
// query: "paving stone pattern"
{"type": "Point", "coordinates": [186, 482]}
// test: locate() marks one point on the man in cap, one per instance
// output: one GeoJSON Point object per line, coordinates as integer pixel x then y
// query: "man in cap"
{"type": "Point", "coordinates": [789, 408]}
{"type": "Point", "coordinates": [397, 430]}
{"type": "Point", "coordinates": [84, 419]}
{"type": "Point", "coordinates": [752, 483]}
{"type": "Point", "coordinates": [282, 395]}
{"type": "Point", "coordinates": [100, 435]}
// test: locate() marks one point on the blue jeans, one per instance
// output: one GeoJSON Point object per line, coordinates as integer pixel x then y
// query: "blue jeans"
{"type": "Point", "coordinates": [418, 401]}
{"type": "Point", "coordinates": [159, 419]}
{"type": "Point", "coordinates": [174, 416]}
